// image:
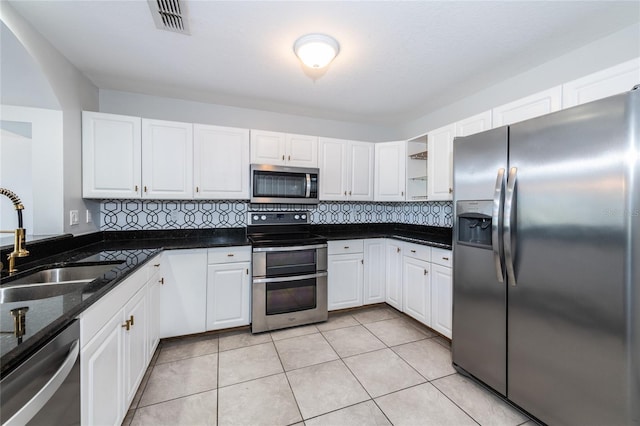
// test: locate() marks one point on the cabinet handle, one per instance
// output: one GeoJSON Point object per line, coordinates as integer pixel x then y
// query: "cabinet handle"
{"type": "Point", "coordinates": [362, 261]}
{"type": "Point", "coordinates": [349, 192]}
{"type": "Point", "coordinates": [161, 280]}
{"type": "Point", "coordinates": [131, 320]}
{"type": "Point", "coordinates": [346, 247]}
{"type": "Point", "coordinates": [402, 193]}
{"type": "Point", "coordinates": [230, 255]}
{"type": "Point", "coordinates": [126, 325]}
{"type": "Point", "coordinates": [445, 258]}
{"type": "Point", "coordinates": [426, 272]}
{"type": "Point", "coordinates": [450, 190]}
{"type": "Point", "coordinates": [136, 189]}
{"type": "Point", "coordinates": [345, 193]}
{"type": "Point", "coordinates": [289, 158]}
{"type": "Point", "coordinates": [197, 189]}
{"type": "Point", "coordinates": [398, 250]}
{"type": "Point", "coordinates": [145, 188]}
{"type": "Point", "coordinates": [283, 158]}
{"type": "Point", "coordinates": [157, 265]}
{"type": "Point", "coordinates": [413, 251]}
{"type": "Point", "coordinates": [247, 271]}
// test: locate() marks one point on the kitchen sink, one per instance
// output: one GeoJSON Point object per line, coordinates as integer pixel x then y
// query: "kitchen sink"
{"type": "Point", "coordinates": [67, 274]}
{"type": "Point", "coordinates": [53, 282]}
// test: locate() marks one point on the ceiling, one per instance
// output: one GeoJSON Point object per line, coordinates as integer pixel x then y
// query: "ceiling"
{"type": "Point", "coordinates": [398, 60]}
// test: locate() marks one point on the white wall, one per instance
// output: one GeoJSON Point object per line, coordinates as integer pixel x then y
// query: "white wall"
{"type": "Point", "coordinates": [38, 179]}
{"type": "Point", "coordinates": [162, 108]}
{"type": "Point", "coordinates": [74, 93]}
{"type": "Point", "coordinates": [616, 48]}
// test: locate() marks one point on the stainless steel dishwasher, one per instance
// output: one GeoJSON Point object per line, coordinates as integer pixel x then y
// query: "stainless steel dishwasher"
{"type": "Point", "coordinates": [45, 389]}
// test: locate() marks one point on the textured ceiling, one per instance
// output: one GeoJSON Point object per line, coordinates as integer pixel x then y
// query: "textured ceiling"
{"type": "Point", "coordinates": [398, 60]}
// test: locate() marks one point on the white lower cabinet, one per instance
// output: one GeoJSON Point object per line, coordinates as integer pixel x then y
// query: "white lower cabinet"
{"type": "Point", "coordinates": [393, 274]}
{"type": "Point", "coordinates": [416, 289]}
{"type": "Point", "coordinates": [183, 304]}
{"type": "Point", "coordinates": [374, 271]}
{"type": "Point", "coordinates": [345, 268]}
{"type": "Point", "coordinates": [229, 287]}
{"type": "Point", "coordinates": [441, 291]}
{"type": "Point", "coordinates": [154, 287]}
{"type": "Point", "coordinates": [114, 350]}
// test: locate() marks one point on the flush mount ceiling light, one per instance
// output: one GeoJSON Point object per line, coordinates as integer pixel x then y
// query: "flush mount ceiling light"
{"type": "Point", "coordinates": [316, 50]}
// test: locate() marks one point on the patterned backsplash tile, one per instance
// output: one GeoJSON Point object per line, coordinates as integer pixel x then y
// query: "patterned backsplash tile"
{"type": "Point", "coordinates": [164, 214]}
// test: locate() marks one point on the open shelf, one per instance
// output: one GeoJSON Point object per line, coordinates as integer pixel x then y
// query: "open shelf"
{"type": "Point", "coordinates": [418, 178]}
{"type": "Point", "coordinates": [419, 155]}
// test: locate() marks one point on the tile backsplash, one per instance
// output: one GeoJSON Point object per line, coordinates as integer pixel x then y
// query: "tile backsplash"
{"type": "Point", "coordinates": [164, 214]}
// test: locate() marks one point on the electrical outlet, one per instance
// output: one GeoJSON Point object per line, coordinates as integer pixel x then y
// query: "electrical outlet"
{"type": "Point", "coordinates": [73, 217]}
{"type": "Point", "coordinates": [89, 218]}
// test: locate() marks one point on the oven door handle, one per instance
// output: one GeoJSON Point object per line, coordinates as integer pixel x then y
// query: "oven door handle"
{"type": "Point", "coordinates": [295, 248]}
{"type": "Point", "coordinates": [285, 279]}
{"type": "Point", "coordinates": [308, 191]}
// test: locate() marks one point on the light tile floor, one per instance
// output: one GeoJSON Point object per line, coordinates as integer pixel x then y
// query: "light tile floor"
{"type": "Point", "coordinates": [373, 366]}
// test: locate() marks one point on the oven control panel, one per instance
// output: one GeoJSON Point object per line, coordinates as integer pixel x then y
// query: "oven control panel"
{"type": "Point", "coordinates": [278, 218]}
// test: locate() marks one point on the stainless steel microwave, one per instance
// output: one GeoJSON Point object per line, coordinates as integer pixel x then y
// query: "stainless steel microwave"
{"type": "Point", "coordinates": [281, 184]}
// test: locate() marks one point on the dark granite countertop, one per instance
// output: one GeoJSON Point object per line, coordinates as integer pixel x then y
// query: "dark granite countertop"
{"type": "Point", "coordinates": [47, 317]}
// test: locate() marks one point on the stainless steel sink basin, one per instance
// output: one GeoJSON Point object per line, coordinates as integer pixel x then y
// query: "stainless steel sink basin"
{"type": "Point", "coordinates": [67, 274]}
{"type": "Point", "coordinates": [53, 282]}
{"type": "Point", "coordinates": [24, 292]}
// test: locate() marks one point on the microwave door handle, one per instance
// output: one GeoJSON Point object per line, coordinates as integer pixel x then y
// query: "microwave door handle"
{"type": "Point", "coordinates": [496, 224]}
{"type": "Point", "coordinates": [308, 192]}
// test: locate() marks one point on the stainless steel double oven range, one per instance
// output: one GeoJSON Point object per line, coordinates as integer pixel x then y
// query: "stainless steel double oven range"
{"type": "Point", "coordinates": [289, 271]}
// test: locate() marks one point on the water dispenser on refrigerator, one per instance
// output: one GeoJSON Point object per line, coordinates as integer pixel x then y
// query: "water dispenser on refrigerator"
{"type": "Point", "coordinates": [474, 223]}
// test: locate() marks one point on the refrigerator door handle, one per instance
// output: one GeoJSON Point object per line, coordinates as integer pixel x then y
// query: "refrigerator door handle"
{"type": "Point", "coordinates": [496, 224]}
{"type": "Point", "coordinates": [509, 226]}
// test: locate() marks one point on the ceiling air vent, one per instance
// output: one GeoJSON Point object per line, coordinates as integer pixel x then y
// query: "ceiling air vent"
{"type": "Point", "coordinates": [170, 15]}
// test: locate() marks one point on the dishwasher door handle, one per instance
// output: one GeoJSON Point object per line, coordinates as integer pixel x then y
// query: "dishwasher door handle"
{"type": "Point", "coordinates": [35, 404]}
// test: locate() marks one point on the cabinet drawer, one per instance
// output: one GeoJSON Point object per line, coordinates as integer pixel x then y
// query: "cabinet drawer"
{"type": "Point", "coordinates": [417, 251]}
{"type": "Point", "coordinates": [345, 246]}
{"type": "Point", "coordinates": [229, 254]}
{"type": "Point", "coordinates": [441, 257]}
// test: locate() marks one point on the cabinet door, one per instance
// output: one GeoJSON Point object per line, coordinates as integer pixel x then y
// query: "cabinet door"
{"type": "Point", "coordinates": [390, 171]}
{"type": "Point", "coordinates": [135, 344]}
{"type": "Point", "coordinates": [532, 106]}
{"type": "Point", "coordinates": [476, 124]}
{"type": "Point", "coordinates": [608, 82]}
{"type": "Point", "coordinates": [267, 147]}
{"type": "Point", "coordinates": [301, 150]}
{"type": "Point", "coordinates": [333, 169]}
{"type": "Point", "coordinates": [167, 159]}
{"type": "Point", "coordinates": [153, 305]}
{"type": "Point", "coordinates": [345, 280]}
{"type": "Point", "coordinates": [416, 289]}
{"type": "Point", "coordinates": [228, 295]}
{"type": "Point", "coordinates": [440, 163]}
{"type": "Point", "coordinates": [102, 375]}
{"type": "Point", "coordinates": [441, 299]}
{"type": "Point", "coordinates": [374, 271]}
{"type": "Point", "coordinates": [111, 146]}
{"type": "Point", "coordinates": [394, 274]}
{"type": "Point", "coordinates": [221, 162]}
{"type": "Point", "coordinates": [360, 170]}
{"type": "Point", "coordinates": [183, 304]}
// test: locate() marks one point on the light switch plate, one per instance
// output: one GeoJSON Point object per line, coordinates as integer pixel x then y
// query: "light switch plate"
{"type": "Point", "coordinates": [73, 217]}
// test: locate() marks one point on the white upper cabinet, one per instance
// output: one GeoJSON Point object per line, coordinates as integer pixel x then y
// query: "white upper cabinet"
{"type": "Point", "coordinates": [472, 125]}
{"type": "Point", "coordinates": [283, 149]}
{"type": "Point", "coordinates": [608, 82]}
{"type": "Point", "coordinates": [529, 107]}
{"type": "Point", "coordinates": [167, 163]}
{"type": "Point", "coordinates": [220, 162]}
{"type": "Point", "coordinates": [440, 163]}
{"type": "Point", "coordinates": [390, 176]}
{"type": "Point", "coordinates": [346, 170]}
{"type": "Point", "coordinates": [111, 146]}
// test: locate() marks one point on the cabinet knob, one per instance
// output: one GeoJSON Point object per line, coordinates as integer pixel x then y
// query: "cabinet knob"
{"type": "Point", "coordinates": [426, 272]}
{"type": "Point", "coordinates": [413, 251]}
{"type": "Point", "coordinates": [398, 250]}
{"type": "Point", "coordinates": [445, 258]}
{"type": "Point", "coordinates": [157, 265]}
{"type": "Point", "coordinates": [450, 190]}
{"type": "Point", "coordinates": [131, 320]}
{"type": "Point", "coordinates": [126, 325]}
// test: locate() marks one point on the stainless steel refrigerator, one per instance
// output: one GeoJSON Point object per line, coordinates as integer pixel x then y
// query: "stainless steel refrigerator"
{"type": "Point", "coordinates": [546, 281]}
